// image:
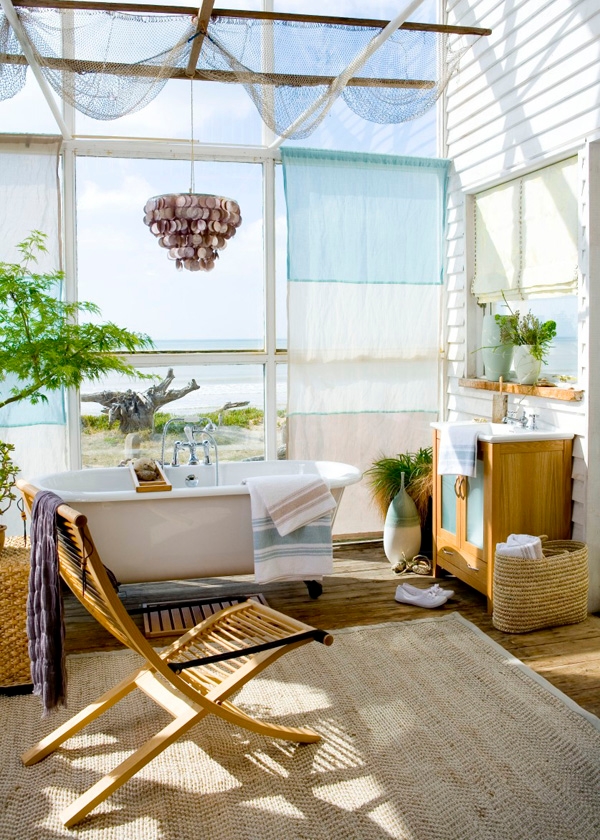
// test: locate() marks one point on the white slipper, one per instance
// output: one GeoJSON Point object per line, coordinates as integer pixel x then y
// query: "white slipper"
{"type": "Point", "coordinates": [436, 588]}
{"type": "Point", "coordinates": [426, 598]}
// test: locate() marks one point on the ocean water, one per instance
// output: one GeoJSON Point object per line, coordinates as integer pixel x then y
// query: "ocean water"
{"type": "Point", "coordinates": [219, 384]}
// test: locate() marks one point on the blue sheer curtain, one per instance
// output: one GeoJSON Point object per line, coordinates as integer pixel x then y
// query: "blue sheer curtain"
{"type": "Point", "coordinates": [49, 412]}
{"type": "Point", "coordinates": [364, 218]}
{"type": "Point", "coordinates": [365, 264]}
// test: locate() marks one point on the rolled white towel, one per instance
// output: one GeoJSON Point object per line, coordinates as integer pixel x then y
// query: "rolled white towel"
{"type": "Point", "coordinates": [521, 545]}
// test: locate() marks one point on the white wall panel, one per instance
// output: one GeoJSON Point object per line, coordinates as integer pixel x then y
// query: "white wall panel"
{"type": "Point", "coordinates": [526, 96]}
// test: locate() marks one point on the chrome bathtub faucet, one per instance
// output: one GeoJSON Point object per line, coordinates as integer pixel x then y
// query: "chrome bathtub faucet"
{"type": "Point", "coordinates": [206, 442]}
{"type": "Point", "coordinates": [164, 436]}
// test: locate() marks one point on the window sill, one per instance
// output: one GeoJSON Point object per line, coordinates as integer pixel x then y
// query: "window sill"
{"type": "Point", "coordinates": [549, 392]}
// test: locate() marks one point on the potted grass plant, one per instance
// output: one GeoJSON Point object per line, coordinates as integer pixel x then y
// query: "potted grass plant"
{"type": "Point", "coordinates": [531, 339]}
{"type": "Point", "coordinates": [385, 478]}
{"type": "Point", "coordinates": [412, 472]}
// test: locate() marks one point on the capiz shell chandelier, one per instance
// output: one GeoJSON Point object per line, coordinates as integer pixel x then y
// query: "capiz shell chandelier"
{"type": "Point", "coordinates": [194, 227]}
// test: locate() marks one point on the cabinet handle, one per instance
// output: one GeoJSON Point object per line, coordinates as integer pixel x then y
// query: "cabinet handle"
{"type": "Point", "coordinates": [447, 551]}
{"type": "Point", "coordinates": [472, 568]}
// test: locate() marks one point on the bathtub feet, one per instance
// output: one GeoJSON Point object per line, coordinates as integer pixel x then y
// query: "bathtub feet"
{"type": "Point", "coordinates": [315, 588]}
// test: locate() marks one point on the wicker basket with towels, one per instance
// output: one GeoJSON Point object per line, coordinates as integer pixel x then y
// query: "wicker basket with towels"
{"type": "Point", "coordinates": [530, 594]}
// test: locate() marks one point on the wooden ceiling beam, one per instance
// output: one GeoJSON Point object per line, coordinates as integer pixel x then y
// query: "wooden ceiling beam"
{"type": "Point", "coordinates": [145, 9]}
{"type": "Point", "coordinates": [204, 13]}
{"type": "Point", "coordinates": [226, 76]}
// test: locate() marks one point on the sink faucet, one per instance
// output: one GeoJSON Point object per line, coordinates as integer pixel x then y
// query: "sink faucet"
{"type": "Point", "coordinates": [525, 421]}
{"type": "Point", "coordinates": [512, 418]}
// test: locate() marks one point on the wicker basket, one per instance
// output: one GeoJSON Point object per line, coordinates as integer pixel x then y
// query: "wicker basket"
{"type": "Point", "coordinates": [532, 594]}
{"type": "Point", "coordinates": [14, 582]}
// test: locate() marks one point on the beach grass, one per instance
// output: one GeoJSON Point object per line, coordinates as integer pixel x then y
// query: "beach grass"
{"type": "Point", "coordinates": [239, 435]}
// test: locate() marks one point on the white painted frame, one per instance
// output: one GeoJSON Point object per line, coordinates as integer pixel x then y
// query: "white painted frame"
{"type": "Point", "coordinates": [270, 357]}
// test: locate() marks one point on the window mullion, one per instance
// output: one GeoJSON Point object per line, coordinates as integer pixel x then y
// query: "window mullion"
{"type": "Point", "coordinates": [270, 310]}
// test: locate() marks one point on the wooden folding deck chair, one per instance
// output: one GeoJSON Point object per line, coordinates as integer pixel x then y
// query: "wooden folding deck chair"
{"type": "Point", "coordinates": [192, 678]}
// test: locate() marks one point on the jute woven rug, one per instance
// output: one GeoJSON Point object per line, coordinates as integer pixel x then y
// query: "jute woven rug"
{"type": "Point", "coordinates": [430, 732]}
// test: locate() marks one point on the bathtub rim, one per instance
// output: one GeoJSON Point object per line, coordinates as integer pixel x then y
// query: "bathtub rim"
{"type": "Point", "coordinates": [337, 479]}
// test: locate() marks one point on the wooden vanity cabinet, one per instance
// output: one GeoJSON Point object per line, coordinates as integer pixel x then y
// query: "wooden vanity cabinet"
{"type": "Point", "coordinates": [520, 488]}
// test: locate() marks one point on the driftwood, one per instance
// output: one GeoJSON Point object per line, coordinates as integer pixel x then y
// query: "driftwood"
{"type": "Point", "coordinates": [135, 410]}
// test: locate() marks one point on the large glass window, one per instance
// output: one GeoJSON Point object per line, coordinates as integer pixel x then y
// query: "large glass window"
{"type": "Point", "coordinates": [123, 269]}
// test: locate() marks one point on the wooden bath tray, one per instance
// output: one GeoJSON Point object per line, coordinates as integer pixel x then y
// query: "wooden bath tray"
{"type": "Point", "coordinates": [159, 485]}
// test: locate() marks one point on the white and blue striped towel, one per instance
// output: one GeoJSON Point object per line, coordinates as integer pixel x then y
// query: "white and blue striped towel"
{"type": "Point", "coordinates": [458, 448]}
{"type": "Point", "coordinates": [293, 500]}
{"type": "Point", "coordinates": [305, 553]}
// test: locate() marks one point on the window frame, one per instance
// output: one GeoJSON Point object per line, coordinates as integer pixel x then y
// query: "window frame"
{"type": "Point", "coordinates": [270, 356]}
{"type": "Point", "coordinates": [473, 311]}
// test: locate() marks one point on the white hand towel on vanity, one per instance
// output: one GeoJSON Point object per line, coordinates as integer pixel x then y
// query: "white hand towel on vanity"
{"type": "Point", "coordinates": [458, 448]}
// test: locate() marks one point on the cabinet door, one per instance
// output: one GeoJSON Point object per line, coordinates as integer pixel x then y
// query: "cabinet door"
{"type": "Point", "coordinates": [449, 519]}
{"type": "Point", "coordinates": [473, 513]}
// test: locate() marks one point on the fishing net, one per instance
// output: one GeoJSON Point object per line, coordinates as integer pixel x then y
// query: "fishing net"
{"type": "Point", "coordinates": [12, 76]}
{"type": "Point", "coordinates": [108, 64]}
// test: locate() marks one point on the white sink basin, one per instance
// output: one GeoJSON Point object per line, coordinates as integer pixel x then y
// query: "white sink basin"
{"type": "Point", "coordinates": [507, 433]}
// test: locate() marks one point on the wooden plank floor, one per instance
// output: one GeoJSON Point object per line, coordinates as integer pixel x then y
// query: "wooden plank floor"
{"type": "Point", "coordinates": [361, 591]}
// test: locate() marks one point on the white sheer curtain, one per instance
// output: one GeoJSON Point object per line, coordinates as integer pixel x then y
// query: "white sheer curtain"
{"type": "Point", "coordinates": [362, 379]}
{"type": "Point", "coordinates": [362, 342]}
{"type": "Point", "coordinates": [30, 200]}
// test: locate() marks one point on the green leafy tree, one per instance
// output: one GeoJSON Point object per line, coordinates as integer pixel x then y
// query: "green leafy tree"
{"type": "Point", "coordinates": [43, 347]}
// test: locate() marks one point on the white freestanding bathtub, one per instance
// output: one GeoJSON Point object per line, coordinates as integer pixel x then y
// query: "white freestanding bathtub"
{"type": "Point", "coordinates": [188, 532]}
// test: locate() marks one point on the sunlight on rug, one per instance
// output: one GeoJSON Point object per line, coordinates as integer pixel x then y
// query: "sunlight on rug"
{"type": "Point", "coordinates": [430, 731]}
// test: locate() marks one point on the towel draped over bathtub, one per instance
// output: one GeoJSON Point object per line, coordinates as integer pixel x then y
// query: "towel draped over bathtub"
{"type": "Point", "coordinates": [291, 525]}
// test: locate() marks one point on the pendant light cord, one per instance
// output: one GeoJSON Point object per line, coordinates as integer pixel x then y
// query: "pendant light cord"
{"type": "Point", "coordinates": [192, 180]}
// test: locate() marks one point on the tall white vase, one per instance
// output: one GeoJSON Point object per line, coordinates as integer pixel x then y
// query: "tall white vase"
{"type": "Point", "coordinates": [497, 358]}
{"type": "Point", "coordinates": [527, 369]}
{"type": "Point", "coordinates": [402, 528]}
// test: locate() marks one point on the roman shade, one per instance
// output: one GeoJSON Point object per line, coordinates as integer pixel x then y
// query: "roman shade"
{"type": "Point", "coordinates": [526, 234]}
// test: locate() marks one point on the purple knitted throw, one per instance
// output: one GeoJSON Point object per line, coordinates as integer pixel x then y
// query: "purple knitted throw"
{"type": "Point", "coordinates": [45, 623]}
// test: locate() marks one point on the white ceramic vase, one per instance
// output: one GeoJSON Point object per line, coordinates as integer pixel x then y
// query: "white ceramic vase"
{"type": "Point", "coordinates": [527, 368]}
{"type": "Point", "coordinates": [402, 528]}
{"type": "Point", "coordinates": [497, 358]}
